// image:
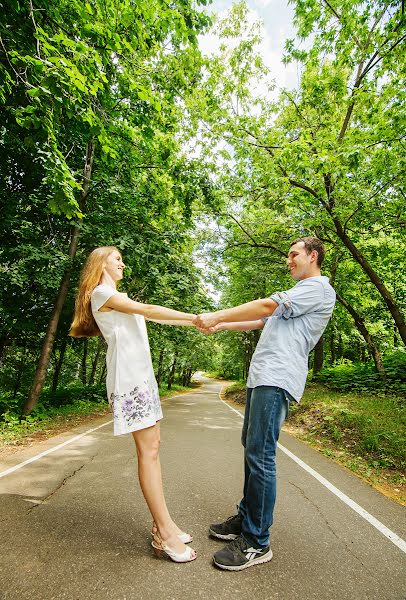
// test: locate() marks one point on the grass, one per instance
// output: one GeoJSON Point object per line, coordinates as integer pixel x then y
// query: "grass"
{"type": "Point", "coordinates": [364, 431]}
{"type": "Point", "coordinates": [13, 431]}
{"type": "Point", "coordinates": [46, 421]}
{"type": "Point", "coordinates": [366, 424]}
{"type": "Point", "coordinates": [214, 375]}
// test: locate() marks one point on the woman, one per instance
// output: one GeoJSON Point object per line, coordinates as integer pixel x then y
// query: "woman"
{"type": "Point", "coordinates": [131, 386]}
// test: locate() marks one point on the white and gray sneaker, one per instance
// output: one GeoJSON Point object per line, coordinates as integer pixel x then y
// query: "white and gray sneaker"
{"type": "Point", "coordinates": [239, 555]}
{"type": "Point", "coordinates": [230, 529]}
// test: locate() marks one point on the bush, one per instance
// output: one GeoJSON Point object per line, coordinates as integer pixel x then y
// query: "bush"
{"type": "Point", "coordinates": [73, 394]}
{"type": "Point", "coordinates": [11, 408]}
{"type": "Point", "coordinates": [366, 424]}
{"type": "Point", "coordinates": [363, 377]}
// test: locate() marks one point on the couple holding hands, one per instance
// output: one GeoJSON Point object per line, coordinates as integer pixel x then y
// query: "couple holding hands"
{"type": "Point", "coordinates": [292, 322]}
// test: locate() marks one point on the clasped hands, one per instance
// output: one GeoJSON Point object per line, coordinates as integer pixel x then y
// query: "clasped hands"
{"type": "Point", "coordinates": [206, 323]}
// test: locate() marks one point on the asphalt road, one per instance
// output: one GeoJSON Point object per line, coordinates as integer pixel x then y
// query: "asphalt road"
{"type": "Point", "coordinates": [74, 524]}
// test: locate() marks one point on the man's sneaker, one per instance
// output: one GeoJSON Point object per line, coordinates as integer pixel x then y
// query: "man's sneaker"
{"type": "Point", "coordinates": [229, 530]}
{"type": "Point", "coordinates": [239, 555]}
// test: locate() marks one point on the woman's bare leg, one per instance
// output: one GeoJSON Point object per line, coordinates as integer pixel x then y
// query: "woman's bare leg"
{"type": "Point", "coordinates": [147, 442]}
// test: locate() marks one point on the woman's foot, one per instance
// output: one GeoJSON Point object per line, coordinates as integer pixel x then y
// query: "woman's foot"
{"type": "Point", "coordinates": [184, 537]}
{"type": "Point", "coordinates": [172, 548]}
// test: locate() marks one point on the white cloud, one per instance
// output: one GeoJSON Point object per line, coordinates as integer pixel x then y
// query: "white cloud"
{"type": "Point", "coordinates": [277, 18]}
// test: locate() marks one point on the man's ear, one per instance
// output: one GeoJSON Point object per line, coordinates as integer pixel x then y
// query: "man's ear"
{"type": "Point", "coordinates": [314, 255]}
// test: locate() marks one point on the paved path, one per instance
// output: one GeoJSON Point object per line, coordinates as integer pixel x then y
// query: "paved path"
{"type": "Point", "coordinates": [74, 524]}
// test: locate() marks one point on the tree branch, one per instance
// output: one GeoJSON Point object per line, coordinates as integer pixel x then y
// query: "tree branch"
{"type": "Point", "coordinates": [335, 13]}
{"type": "Point", "coordinates": [352, 104]}
{"type": "Point", "coordinates": [381, 57]}
{"type": "Point", "coordinates": [254, 242]}
{"type": "Point", "coordinates": [386, 141]}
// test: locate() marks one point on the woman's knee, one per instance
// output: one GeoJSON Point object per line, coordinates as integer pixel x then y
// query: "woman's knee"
{"type": "Point", "coordinates": [147, 446]}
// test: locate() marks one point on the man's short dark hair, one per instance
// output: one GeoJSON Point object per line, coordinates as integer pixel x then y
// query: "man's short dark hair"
{"type": "Point", "coordinates": [312, 243]}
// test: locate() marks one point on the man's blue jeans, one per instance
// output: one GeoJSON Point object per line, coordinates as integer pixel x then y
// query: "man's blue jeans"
{"type": "Point", "coordinates": [266, 409]}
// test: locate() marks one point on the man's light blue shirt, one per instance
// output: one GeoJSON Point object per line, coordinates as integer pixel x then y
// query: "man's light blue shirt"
{"type": "Point", "coordinates": [281, 356]}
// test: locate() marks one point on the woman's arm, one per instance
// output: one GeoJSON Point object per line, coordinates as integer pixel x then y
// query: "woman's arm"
{"type": "Point", "coordinates": [149, 311]}
{"type": "Point", "coordinates": [178, 322]}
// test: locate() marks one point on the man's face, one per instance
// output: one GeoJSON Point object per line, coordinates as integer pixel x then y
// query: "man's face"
{"type": "Point", "coordinates": [301, 264]}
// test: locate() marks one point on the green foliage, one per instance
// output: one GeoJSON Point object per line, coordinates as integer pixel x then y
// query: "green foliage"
{"type": "Point", "coordinates": [364, 424]}
{"type": "Point", "coordinates": [116, 75]}
{"type": "Point", "coordinates": [73, 394]}
{"type": "Point", "coordinates": [71, 403]}
{"type": "Point", "coordinates": [324, 159]}
{"type": "Point", "coordinates": [363, 377]}
{"type": "Point", "coordinates": [70, 395]}
{"type": "Point", "coordinates": [99, 71]}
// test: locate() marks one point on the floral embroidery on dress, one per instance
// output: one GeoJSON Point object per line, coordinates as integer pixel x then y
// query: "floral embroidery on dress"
{"type": "Point", "coordinates": [137, 405]}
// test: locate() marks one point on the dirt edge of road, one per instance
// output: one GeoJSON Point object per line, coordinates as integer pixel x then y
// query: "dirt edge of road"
{"type": "Point", "coordinates": [66, 423]}
{"type": "Point", "coordinates": [378, 478]}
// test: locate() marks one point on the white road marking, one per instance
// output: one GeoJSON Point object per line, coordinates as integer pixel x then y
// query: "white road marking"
{"type": "Point", "coordinates": [393, 537]}
{"type": "Point", "coordinates": [74, 439]}
{"type": "Point", "coordinates": [54, 449]}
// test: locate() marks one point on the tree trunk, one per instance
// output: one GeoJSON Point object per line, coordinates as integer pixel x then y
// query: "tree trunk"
{"type": "Point", "coordinates": [83, 370]}
{"type": "Point", "coordinates": [160, 366]}
{"type": "Point", "coordinates": [332, 345]}
{"type": "Point", "coordinates": [250, 340]}
{"type": "Point", "coordinates": [58, 365]}
{"type": "Point", "coordinates": [318, 358]}
{"type": "Point", "coordinates": [4, 342]}
{"type": "Point", "coordinates": [172, 371]}
{"type": "Point", "coordinates": [103, 373]}
{"type": "Point", "coordinates": [360, 325]}
{"type": "Point", "coordinates": [20, 370]}
{"type": "Point", "coordinates": [95, 361]}
{"type": "Point", "coordinates": [188, 376]}
{"type": "Point", "coordinates": [374, 277]}
{"type": "Point", "coordinates": [49, 339]}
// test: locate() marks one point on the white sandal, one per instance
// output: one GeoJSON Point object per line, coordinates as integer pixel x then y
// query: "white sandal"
{"type": "Point", "coordinates": [163, 550]}
{"type": "Point", "coordinates": [184, 537]}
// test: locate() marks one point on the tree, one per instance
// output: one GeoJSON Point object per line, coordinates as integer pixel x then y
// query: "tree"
{"type": "Point", "coordinates": [325, 159]}
{"type": "Point", "coordinates": [93, 99]}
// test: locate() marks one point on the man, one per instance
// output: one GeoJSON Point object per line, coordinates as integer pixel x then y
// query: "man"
{"type": "Point", "coordinates": [292, 322]}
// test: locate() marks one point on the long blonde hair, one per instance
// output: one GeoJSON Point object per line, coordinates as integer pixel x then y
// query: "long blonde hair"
{"type": "Point", "coordinates": [83, 324]}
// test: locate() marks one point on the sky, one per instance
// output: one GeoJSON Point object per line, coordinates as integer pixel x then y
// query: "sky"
{"type": "Point", "coordinates": [277, 18]}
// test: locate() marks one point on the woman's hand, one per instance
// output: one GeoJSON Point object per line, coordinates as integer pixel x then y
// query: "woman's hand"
{"type": "Point", "coordinates": [206, 322]}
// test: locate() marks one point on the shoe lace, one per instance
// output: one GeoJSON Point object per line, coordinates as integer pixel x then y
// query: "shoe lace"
{"type": "Point", "coordinates": [232, 518]}
{"type": "Point", "coordinates": [238, 544]}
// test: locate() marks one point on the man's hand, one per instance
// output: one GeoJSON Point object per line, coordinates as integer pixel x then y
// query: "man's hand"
{"type": "Point", "coordinates": [209, 330]}
{"type": "Point", "coordinates": [206, 322]}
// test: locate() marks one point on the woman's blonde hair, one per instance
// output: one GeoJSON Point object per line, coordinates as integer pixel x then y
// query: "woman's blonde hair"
{"type": "Point", "coordinates": [83, 324]}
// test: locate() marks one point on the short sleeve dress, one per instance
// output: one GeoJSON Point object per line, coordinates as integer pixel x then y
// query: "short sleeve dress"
{"type": "Point", "coordinates": [132, 389]}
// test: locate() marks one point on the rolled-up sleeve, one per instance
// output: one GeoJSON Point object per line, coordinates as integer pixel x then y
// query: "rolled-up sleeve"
{"type": "Point", "coordinates": [306, 297]}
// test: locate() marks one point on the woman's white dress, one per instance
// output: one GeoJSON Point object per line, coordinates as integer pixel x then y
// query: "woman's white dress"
{"type": "Point", "coordinates": [132, 390]}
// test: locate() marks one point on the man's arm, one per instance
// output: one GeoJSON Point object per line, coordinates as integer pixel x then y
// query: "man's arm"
{"type": "Point", "coordinates": [239, 326]}
{"type": "Point", "coordinates": [250, 311]}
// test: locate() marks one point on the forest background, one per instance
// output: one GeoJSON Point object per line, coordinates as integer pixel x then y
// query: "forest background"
{"type": "Point", "coordinates": [116, 129]}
